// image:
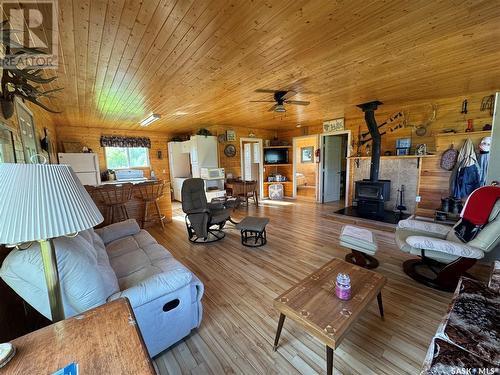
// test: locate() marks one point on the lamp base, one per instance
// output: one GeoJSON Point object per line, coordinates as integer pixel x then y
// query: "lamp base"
{"type": "Point", "coordinates": [52, 279]}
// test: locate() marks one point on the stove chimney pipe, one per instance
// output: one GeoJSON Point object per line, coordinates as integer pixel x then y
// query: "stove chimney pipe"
{"type": "Point", "coordinates": [369, 109]}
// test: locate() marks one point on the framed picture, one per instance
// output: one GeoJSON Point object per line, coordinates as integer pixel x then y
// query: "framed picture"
{"type": "Point", "coordinates": [421, 149]}
{"type": "Point", "coordinates": [306, 154]}
{"type": "Point", "coordinates": [230, 136]}
{"type": "Point", "coordinates": [7, 150]}
{"type": "Point", "coordinates": [333, 125]}
{"type": "Point", "coordinates": [28, 134]}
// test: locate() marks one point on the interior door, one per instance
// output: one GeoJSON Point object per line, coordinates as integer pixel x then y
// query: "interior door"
{"type": "Point", "coordinates": [332, 152]}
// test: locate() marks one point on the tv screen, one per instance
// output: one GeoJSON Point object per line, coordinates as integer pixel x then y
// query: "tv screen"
{"type": "Point", "coordinates": [276, 156]}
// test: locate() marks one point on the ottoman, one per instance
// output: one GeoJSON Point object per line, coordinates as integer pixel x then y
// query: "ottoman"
{"type": "Point", "coordinates": [363, 246]}
{"type": "Point", "coordinates": [253, 231]}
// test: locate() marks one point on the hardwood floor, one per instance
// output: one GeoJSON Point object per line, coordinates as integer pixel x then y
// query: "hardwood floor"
{"type": "Point", "coordinates": [239, 323]}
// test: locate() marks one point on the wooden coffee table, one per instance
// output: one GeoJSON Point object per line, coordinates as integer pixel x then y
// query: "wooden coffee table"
{"type": "Point", "coordinates": [313, 304]}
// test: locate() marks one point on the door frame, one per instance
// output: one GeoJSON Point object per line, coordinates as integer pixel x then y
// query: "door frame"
{"type": "Point", "coordinates": [294, 166]}
{"type": "Point", "coordinates": [261, 164]}
{"type": "Point", "coordinates": [322, 161]}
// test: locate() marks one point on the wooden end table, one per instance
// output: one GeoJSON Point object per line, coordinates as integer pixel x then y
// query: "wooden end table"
{"type": "Point", "coordinates": [313, 304]}
{"type": "Point", "coordinates": [104, 340]}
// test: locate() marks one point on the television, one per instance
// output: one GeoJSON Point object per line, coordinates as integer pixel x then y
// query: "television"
{"type": "Point", "coordinates": [276, 156]}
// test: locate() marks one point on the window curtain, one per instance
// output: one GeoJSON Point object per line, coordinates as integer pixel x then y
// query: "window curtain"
{"type": "Point", "coordinates": [119, 141]}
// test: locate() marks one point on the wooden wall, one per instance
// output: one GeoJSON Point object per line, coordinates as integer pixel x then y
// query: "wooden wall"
{"type": "Point", "coordinates": [42, 120]}
{"type": "Point", "coordinates": [307, 169]}
{"type": "Point", "coordinates": [233, 165]}
{"type": "Point", "coordinates": [90, 137]}
{"type": "Point", "coordinates": [448, 116]}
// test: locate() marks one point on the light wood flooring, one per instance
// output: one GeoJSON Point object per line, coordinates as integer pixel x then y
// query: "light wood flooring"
{"type": "Point", "coordinates": [239, 321]}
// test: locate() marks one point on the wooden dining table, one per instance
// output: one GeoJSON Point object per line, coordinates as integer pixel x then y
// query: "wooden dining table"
{"type": "Point", "coordinates": [240, 188]}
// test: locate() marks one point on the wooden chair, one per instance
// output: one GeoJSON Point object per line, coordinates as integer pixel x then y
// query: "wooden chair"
{"type": "Point", "coordinates": [114, 199]}
{"type": "Point", "coordinates": [249, 191]}
{"type": "Point", "coordinates": [150, 193]}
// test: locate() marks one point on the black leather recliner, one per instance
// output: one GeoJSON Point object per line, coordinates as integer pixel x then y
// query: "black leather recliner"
{"type": "Point", "coordinates": [204, 221]}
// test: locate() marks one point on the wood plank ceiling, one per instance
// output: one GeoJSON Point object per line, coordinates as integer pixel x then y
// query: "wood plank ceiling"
{"type": "Point", "coordinates": [198, 62]}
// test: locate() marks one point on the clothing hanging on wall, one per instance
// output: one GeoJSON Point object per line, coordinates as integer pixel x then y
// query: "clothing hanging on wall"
{"type": "Point", "coordinates": [465, 177]}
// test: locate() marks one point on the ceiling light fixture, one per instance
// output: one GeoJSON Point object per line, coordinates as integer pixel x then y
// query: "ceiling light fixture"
{"type": "Point", "coordinates": [147, 121]}
{"type": "Point", "coordinates": [279, 108]}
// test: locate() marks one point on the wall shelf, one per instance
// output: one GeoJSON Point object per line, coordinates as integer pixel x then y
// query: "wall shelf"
{"type": "Point", "coordinates": [277, 147]}
{"type": "Point", "coordinates": [484, 133]}
{"type": "Point", "coordinates": [277, 165]}
{"type": "Point", "coordinates": [393, 157]}
{"type": "Point", "coordinates": [278, 182]}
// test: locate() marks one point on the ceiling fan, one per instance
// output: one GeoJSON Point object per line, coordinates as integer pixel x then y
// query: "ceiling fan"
{"type": "Point", "coordinates": [281, 97]}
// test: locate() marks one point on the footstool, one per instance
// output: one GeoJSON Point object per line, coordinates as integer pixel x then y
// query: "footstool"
{"type": "Point", "coordinates": [363, 246]}
{"type": "Point", "coordinates": [253, 229]}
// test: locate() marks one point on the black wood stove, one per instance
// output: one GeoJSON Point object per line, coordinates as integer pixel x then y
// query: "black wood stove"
{"type": "Point", "coordinates": [370, 194]}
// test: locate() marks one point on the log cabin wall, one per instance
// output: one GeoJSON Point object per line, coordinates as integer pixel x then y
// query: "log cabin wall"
{"type": "Point", "coordinates": [433, 182]}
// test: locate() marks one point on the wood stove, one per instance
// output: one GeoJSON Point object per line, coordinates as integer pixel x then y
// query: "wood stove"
{"type": "Point", "coordinates": [370, 194]}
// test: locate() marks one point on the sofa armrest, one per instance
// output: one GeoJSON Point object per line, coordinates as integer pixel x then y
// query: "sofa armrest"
{"type": "Point", "coordinates": [425, 226]}
{"type": "Point", "coordinates": [155, 286]}
{"type": "Point", "coordinates": [118, 230]}
{"type": "Point", "coordinates": [448, 247]}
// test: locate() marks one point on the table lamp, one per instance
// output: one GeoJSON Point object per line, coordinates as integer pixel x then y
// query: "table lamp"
{"type": "Point", "coordinates": [40, 202]}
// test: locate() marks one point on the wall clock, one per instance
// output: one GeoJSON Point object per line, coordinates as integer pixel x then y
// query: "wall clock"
{"type": "Point", "coordinates": [230, 151]}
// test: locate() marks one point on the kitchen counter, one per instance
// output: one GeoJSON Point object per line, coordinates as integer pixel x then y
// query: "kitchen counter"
{"type": "Point", "coordinates": [135, 207]}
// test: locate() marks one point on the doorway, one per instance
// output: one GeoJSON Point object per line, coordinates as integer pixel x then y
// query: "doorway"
{"type": "Point", "coordinates": [305, 163]}
{"type": "Point", "coordinates": [252, 167]}
{"type": "Point", "coordinates": [334, 168]}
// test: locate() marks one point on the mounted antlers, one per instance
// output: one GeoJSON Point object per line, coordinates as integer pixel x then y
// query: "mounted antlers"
{"type": "Point", "coordinates": [17, 81]}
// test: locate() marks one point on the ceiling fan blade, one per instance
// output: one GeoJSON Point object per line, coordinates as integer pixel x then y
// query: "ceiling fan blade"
{"type": "Point", "coordinates": [261, 101]}
{"type": "Point", "coordinates": [266, 90]}
{"type": "Point", "coordinates": [288, 95]}
{"type": "Point", "coordinates": [272, 108]}
{"type": "Point", "coordinates": [297, 102]}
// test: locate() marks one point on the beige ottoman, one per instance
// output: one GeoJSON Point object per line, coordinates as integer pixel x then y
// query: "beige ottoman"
{"type": "Point", "coordinates": [362, 244]}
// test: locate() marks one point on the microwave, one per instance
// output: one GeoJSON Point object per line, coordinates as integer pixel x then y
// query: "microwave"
{"type": "Point", "coordinates": [212, 173]}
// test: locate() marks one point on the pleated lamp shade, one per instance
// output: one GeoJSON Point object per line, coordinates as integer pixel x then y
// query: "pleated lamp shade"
{"type": "Point", "coordinates": [43, 201]}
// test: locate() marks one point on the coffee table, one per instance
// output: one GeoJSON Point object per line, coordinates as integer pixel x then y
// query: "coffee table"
{"type": "Point", "coordinates": [312, 303]}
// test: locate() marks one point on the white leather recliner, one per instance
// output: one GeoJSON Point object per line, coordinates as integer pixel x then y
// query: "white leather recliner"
{"type": "Point", "coordinates": [119, 260]}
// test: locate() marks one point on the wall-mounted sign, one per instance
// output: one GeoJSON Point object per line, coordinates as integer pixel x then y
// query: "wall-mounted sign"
{"type": "Point", "coordinates": [230, 136]}
{"type": "Point", "coordinates": [333, 125]}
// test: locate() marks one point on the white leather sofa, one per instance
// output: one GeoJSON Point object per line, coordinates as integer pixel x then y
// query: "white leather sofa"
{"type": "Point", "coordinates": [119, 260]}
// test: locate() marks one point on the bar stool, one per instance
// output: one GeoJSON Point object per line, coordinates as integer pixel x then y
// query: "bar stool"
{"type": "Point", "coordinates": [151, 192]}
{"type": "Point", "coordinates": [114, 198]}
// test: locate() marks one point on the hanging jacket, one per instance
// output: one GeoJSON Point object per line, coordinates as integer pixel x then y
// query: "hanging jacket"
{"type": "Point", "coordinates": [465, 177]}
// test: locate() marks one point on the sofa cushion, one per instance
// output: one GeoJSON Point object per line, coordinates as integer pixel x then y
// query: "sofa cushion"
{"type": "Point", "coordinates": [118, 230]}
{"type": "Point", "coordinates": [86, 277]}
{"type": "Point", "coordinates": [139, 257]}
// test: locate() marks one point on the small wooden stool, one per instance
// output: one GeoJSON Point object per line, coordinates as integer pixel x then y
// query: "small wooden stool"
{"type": "Point", "coordinates": [363, 246]}
{"type": "Point", "coordinates": [150, 193]}
{"type": "Point", "coordinates": [114, 198]}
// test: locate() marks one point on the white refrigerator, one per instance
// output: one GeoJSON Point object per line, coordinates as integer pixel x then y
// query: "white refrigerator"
{"type": "Point", "coordinates": [86, 166]}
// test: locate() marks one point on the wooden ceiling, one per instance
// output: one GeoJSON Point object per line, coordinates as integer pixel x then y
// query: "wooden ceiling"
{"type": "Point", "coordinates": [197, 63]}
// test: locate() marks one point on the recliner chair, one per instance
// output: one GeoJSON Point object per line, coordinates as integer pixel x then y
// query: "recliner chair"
{"type": "Point", "coordinates": [204, 221]}
{"type": "Point", "coordinates": [444, 258]}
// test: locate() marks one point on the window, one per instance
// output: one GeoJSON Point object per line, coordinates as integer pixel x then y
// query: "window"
{"type": "Point", "coordinates": [127, 157]}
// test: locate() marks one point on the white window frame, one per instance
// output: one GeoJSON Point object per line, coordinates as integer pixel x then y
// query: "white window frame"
{"type": "Point", "coordinates": [128, 158]}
